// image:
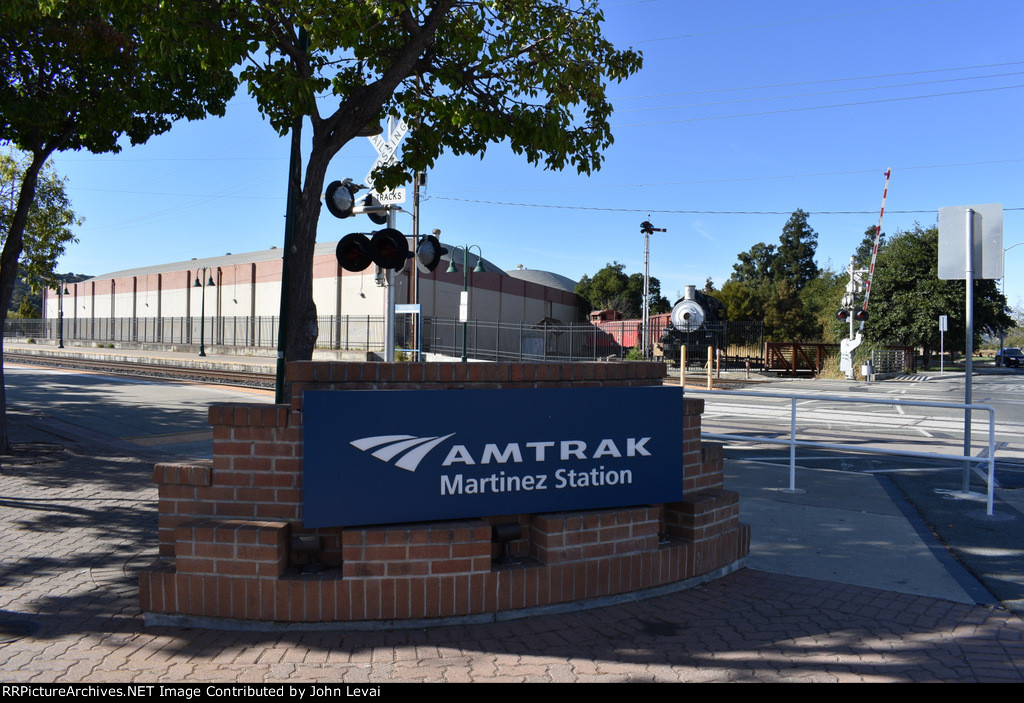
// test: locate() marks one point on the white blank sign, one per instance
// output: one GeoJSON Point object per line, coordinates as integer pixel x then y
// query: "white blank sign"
{"type": "Point", "coordinates": [987, 245]}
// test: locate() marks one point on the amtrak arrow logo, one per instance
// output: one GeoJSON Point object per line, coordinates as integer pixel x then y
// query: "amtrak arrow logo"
{"type": "Point", "coordinates": [412, 449]}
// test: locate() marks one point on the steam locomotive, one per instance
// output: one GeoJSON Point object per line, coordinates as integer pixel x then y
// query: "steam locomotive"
{"type": "Point", "coordinates": [696, 323]}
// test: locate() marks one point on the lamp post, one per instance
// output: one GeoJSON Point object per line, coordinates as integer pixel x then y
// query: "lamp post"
{"type": "Point", "coordinates": [464, 303]}
{"type": "Point", "coordinates": [61, 292]}
{"type": "Point", "coordinates": [202, 309]}
{"type": "Point", "coordinates": [1002, 332]}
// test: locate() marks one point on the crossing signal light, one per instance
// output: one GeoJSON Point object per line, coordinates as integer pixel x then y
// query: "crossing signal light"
{"type": "Point", "coordinates": [428, 253]}
{"type": "Point", "coordinates": [646, 227]}
{"type": "Point", "coordinates": [390, 249]}
{"type": "Point", "coordinates": [353, 252]}
{"type": "Point", "coordinates": [341, 198]}
{"type": "Point", "coordinates": [387, 248]}
{"type": "Point", "coordinates": [860, 315]}
{"type": "Point", "coordinates": [378, 218]}
{"type": "Point", "coordinates": [843, 315]}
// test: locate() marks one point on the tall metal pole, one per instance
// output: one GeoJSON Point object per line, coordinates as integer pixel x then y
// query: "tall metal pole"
{"type": "Point", "coordinates": [464, 301]}
{"type": "Point", "coordinates": [647, 229]}
{"type": "Point", "coordinates": [60, 315]}
{"type": "Point", "coordinates": [389, 298]}
{"type": "Point", "coordinates": [968, 345]}
{"type": "Point", "coordinates": [417, 323]}
{"type": "Point", "coordinates": [647, 292]}
{"type": "Point", "coordinates": [202, 284]}
{"type": "Point", "coordinates": [465, 290]}
{"type": "Point", "coordinates": [1002, 332]}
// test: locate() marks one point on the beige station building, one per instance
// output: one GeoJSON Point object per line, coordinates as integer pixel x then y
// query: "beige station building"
{"type": "Point", "coordinates": [162, 303]}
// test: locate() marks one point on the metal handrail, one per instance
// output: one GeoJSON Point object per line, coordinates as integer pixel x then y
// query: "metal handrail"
{"type": "Point", "coordinates": [793, 442]}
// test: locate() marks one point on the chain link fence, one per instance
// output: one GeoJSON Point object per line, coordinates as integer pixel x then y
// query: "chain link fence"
{"type": "Point", "coordinates": [892, 360]}
{"type": "Point", "coordinates": [479, 339]}
{"type": "Point", "coordinates": [362, 333]}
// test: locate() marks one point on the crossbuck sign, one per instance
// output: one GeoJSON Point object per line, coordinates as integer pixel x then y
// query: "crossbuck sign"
{"type": "Point", "coordinates": [385, 157]}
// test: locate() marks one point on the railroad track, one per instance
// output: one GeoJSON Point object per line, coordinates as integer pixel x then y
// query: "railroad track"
{"type": "Point", "coordinates": [252, 379]}
{"type": "Point", "coordinates": [142, 370]}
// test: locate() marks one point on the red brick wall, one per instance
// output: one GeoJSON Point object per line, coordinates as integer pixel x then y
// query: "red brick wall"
{"type": "Point", "coordinates": [226, 524]}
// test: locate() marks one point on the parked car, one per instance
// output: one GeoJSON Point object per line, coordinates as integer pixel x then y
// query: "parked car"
{"type": "Point", "coordinates": [1010, 356]}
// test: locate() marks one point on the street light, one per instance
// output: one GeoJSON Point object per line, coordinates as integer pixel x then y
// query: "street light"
{"type": "Point", "coordinates": [1002, 332]}
{"type": "Point", "coordinates": [62, 290]}
{"type": "Point", "coordinates": [202, 310]}
{"type": "Point", "coordinates": [464, 303]}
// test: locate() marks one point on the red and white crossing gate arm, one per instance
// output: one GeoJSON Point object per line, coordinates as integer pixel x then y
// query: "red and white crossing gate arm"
{"type": "Point", "coordinates": [874, 249]}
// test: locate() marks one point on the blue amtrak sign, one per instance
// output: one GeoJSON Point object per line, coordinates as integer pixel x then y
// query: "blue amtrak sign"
{"type": "Point", "coordinates": [374, 457]}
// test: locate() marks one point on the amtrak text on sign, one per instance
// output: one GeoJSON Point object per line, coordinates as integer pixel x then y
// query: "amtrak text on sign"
{"type": "Point", "coordinates": [374, 457]}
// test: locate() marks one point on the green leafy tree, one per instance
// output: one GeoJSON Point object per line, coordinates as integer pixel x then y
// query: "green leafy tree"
{"type": "Point", "coordinates": [821, 299]}
{"type": "Point", "coordinates": [791, 260]}
{"type": "Point", "coordinates": [784, 316]}
{"type": "Point", "coordinates": [862, 257]}
{"type": "Point", "coordinates": [755, 266]}
{"type": "Point", "coordinates": [605, 290]}
{"type": "Point", "coordinates": [794, 260]}
{"type": "Point", "coordinates": [612, 289]}
{"type": "Point", "coordinates": [776, 284]}
{"type": "Point", "coordinates": [27, 310]}
{"type": "Point", "coordinates": [907, 297]}
{"type": "Point", "coordinates": [743, 301]}
{"type": "Point", "coordinates": [465, 74]}
{"type": "Point", "coordinates": [82, 74]}
{"type": "Point", "coordinates": [48, 228]}
{"type": "Point", "coordinates": [1015, 333]}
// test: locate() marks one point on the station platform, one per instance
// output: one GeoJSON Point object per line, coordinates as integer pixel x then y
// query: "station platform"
{"type": "Point", "coordinates": [254, 361]}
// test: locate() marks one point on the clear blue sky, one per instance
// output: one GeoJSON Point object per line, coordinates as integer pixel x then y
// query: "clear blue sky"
{"type": "Point", "coordinates": [745, 111]}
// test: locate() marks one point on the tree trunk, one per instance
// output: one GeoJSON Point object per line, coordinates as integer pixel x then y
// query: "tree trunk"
{"type": "Point", "coordinates": [302, 330]}
{"type": "Point", "coordinates": [13, 246]}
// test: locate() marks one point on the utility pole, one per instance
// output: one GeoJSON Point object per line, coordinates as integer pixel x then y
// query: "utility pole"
{"type": "Point", "coordinates": [647, 229]}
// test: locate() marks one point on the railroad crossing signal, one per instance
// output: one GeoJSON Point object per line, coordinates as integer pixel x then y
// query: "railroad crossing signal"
{"type": "Point", "coordinates": [428, 253]}
{"type": "Point", "coordinates": [388, 248]}
{"type": "Point", "coordinates": [340, 197]}
{"type": "Point", "coordinates": [854, 287]}
{"type": "Point", "coordinates": [385, 157]}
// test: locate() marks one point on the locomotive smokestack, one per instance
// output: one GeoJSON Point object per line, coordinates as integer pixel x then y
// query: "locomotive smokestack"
{"type": "Point", "coordinates": [688, 292]}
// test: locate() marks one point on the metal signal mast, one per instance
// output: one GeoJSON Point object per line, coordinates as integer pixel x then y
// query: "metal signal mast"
{"type": "Point", "coordinates": [860, 280]}
{"type": "Point", "coordinates": [647, 229]}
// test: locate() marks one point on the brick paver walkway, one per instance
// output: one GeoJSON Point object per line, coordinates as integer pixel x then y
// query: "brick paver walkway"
{"type": "Point", "coordinates": [77, 519]}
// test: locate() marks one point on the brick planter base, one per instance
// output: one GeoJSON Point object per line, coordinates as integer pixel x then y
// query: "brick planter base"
{"type": "Point", "coordinates": [226, 525]}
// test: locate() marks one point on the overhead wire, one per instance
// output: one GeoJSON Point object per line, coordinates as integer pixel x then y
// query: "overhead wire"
{"type": "Point", "coordinates": [826, 92]}
{"type": "Point", "coordinates": [688, 212]}
{"type": "Point", "coordinates": [816, 82]}
{"type": "Point", "coordinates": [818, 107]}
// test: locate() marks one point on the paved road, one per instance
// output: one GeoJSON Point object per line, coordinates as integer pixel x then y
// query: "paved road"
{"type": "Point", "coordinates": [77, 519]}
{"type": "Point", "coordinates": [977, 550]}
{"type": "Point", "coordinates": [915, 428]}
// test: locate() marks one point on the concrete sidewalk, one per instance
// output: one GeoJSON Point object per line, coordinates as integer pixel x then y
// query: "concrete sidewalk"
{"type": "Point", "coordinates": [832, 592]}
